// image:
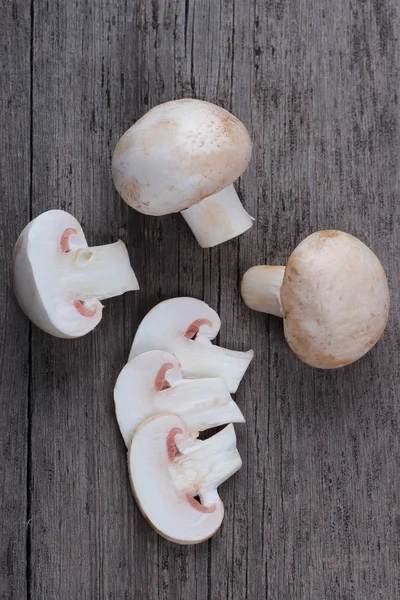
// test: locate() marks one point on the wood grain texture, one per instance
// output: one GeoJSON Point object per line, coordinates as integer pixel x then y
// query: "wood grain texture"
{"type": "Point", "coordinates": [314, 513]}
{"type": "Point", "coordinates": [15, 175]}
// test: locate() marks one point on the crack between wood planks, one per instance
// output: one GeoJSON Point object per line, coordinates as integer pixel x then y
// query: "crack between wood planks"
{"type": "Point", "coordinates": [209, 571]}
{"type": "Point", "coordinates": [270, 358]}
{"type": "Point", "coordinates": [29, 394]}
{"type": "Point", "coordinates": [233, 53]}
{"type": "Point", "coordinates": [186, 23]}
{"type": "Point", "coordinates": [268, 442]}
{"type": "Point", "coordinates": [282, 497]}
{"type": "Point", "coordinates": [192, 81]}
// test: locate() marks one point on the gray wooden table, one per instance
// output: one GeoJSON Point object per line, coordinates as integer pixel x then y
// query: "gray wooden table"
{"type": "Point", "coordinates": [314, 513]}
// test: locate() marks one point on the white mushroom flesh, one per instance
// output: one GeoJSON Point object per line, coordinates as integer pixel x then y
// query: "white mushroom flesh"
{"type": "Point", "coordinates": [166, 482]}
{"type": "Point", "coordinates": [185, 327]}
{"type": "Point", "coordinates": [152, 383]}
{"type": "Point", "coordinates": [59, 281]}
{"type": "Point", "coordinates": [203, 467]}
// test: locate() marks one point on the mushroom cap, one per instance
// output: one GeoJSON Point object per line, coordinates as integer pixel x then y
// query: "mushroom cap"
{"type": "Point", "coordinates": [335, 299]}
{"type": "Point", "coordinates": [161, 502]}
{"type": "Point", "coordinates": [42, 289]}
{"type": "Point", "coordinates": [177, 154]}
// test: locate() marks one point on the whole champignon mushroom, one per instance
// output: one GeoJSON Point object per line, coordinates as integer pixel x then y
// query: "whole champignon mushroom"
{"type": "Point", "coordinates": [59, 281]}
{"type": "Point", "coordinates": [166, 481]}
{"type": "Point", "coordinates": [152, 383]}
{"type": "Point", "coordinates": [185, 327]}
{"type": "Point", "coordinates": [333, 296]}
{"type": "Point", "coordinates": [183, 156]}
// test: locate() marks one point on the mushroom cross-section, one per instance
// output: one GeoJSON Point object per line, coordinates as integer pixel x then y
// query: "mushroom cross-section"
{"type": "Point", "coordinates": [59, 281]}
{"type": "Point", "coordinates": [185, 327]}
{"type": "Point", "coordinates": [152, 383]}
{"type": "Point", "coordinates": [177, 490]}
{"type": "Point", "coordinates": [183, 156]}
{"type": "Point", "coordinates": [333, 296]}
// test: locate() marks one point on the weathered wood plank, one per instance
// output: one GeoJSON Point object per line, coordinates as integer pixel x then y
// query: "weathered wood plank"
{"type": "Point", "coordinates": [325, 124]}
{"type": "Point", "coordinates": [314, 511]}
{"type": "Point", "coordinates": [88, 539]}
{"type": "Point", "coordinates": [15, 153]}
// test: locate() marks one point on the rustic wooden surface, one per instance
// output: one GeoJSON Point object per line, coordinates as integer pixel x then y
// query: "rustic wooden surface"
{"type": "Point", "coordinates": [315, 511]}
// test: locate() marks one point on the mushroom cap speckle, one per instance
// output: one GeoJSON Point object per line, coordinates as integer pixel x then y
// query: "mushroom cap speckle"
{"type": "Point", "coordinates": [335, 299]}
{"type": "Point", "coordinates": [177, 154]}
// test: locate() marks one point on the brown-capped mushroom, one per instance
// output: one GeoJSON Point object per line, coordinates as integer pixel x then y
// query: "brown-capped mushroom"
{"type": "Point", "coordinates": [333, 296]}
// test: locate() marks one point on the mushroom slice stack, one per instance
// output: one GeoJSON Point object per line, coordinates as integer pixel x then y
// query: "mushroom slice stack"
{"type": "Point", "coordinates": [185, 327]}
{"type": "Point", "coordinates": [59, 281]}
{"type": "Point", "coordinates": [175, 385]}
{"type": "Point", "coordinates": [152, 383]}
{"type": "Point", "coordinates": [176, 489]}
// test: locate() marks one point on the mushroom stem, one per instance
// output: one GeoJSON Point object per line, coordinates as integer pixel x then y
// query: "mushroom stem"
{"type": "Point", "coordinates": [203, 467]}
{"type": "Point", "coordinates": [99, 272]}
{"type": "Point", "coordinates": [201, 403]}
{"type": "Point", "coordinates": [203, 359]}
{"type": "Point", "coordinates": [217, 218]}
{"type": "Point", "coordinates": [261, 289]}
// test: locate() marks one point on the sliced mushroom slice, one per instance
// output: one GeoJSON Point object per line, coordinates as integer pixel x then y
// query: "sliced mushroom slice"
{"type": "Point", "coordinates": [59, 281]}
{"type": "Point", "coordinates": [177, 490]}
{"type": "Point", "coordinates": [333, 296]}
{"type": "Point", "coordinates": [152, 383]}
{"type": "Point", "coordinates": [185, 327]}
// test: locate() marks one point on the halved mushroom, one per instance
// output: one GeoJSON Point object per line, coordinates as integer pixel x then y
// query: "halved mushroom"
{"type": "Point", "coordinates": [59, 281]}
{"type": "Point", "coordinates": [185, 327]}
{"type": "Point", "coordinates": [177, 490]}
{"type": "Point", "coordinates": [183, 156]}
{"type": "Point", "coordinates": [333, 296]}
{"type": "Point", "coordinates": [152, 383]}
